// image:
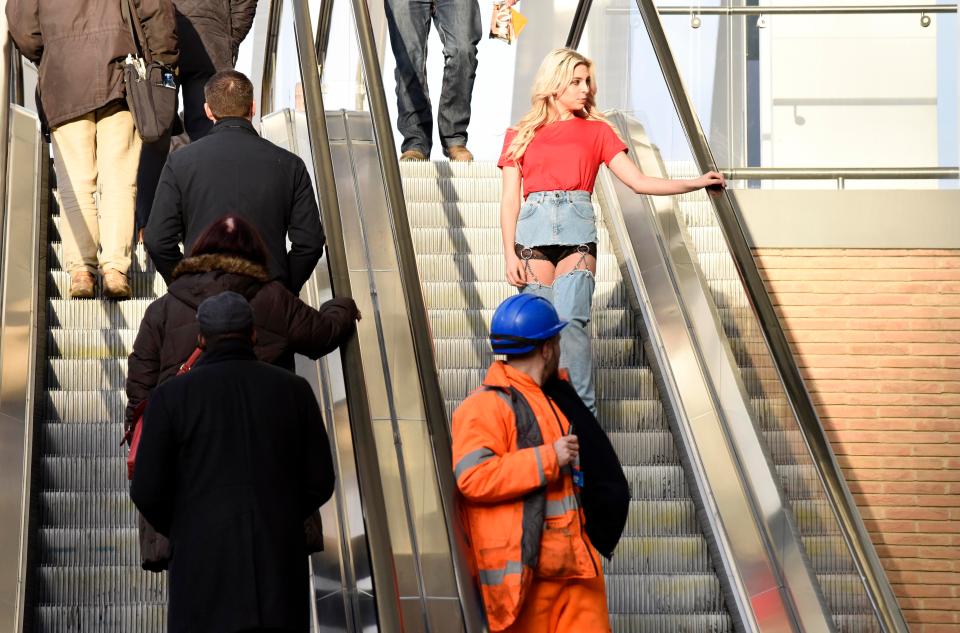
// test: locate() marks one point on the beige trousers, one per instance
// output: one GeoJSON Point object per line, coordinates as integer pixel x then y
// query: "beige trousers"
{"type": "Point", "coordinates": [99, 151]}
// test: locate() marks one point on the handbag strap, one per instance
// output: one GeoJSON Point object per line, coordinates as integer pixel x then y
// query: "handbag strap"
{"type": "Point", "coordinates": [132, 18]}
{"type": "Point", "coordinates": [187, 366]}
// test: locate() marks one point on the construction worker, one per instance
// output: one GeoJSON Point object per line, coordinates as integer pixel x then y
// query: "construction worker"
{"type": "Point", "coordinates": [515, 459]}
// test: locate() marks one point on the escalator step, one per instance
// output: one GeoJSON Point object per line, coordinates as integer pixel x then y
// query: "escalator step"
{"type": "Point", "coordinates": [95, 405]}
{"type": "Point", "coordinates": [666, 593]}
{"type": "Point", "coordinates": [87, 509]}
{"type": "Point", "coordinates": [431, 189]}
{"type": "Point", "coordinates": [93, 314]}
{"type": "Point", "coordinates": [673, 517]}
{"type": "Point", "coordinates": [89, 547]}
{"type": "Point", "coordinates": [103, 618]}
{"type": "Point", "coordinates": [90, 343]}
{"type": "Point", "coordinates": [449, 169]}
{"type": "Point", "coordinates": [76, 374]}
{"type": "Point", "coordinates": [92, 439]}
{"type": "Point", "coordinates": [660, 555]}
{"type": "Point", "coordinates": [451, 215]}
{"type": "Point", "coordinates": [84, 473]}
{"type": "Point", "coordinates": [95, 586]}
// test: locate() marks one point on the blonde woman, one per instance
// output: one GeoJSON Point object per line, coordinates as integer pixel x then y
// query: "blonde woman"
{"type": "Point", "coordinates": [550, 161]}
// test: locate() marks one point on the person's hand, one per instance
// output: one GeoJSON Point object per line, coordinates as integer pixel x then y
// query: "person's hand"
{"type": "Point", "coordinates": [509, 3]}
{"type": "Point", "coordinates": [712, 181]}
{"type": "Point", "coordinates": [567, 447]}
{"type": "Point", "coordinates": [516, 275]}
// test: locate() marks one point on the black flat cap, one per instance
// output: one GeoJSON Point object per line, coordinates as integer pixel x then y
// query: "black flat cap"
{"type": "Point", "coordinates": [225, 313]}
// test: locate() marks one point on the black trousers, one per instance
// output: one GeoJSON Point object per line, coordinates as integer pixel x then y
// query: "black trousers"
{"type": "Point", "coordinates": [154, 155]}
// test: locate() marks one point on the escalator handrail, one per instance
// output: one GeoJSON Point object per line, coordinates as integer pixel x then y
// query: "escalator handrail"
{"type": "Point", "coordinates": [828, 470]}
{"type": "Point", "coordinates": [376, 521]}
{"type": "Point", "coordinates": [420, 329]}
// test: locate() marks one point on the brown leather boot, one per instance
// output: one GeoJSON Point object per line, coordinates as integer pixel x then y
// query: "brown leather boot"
{"type": "Point", "coordinates": [81, 285]}
{"type": "Point", "coordinates": [412, 154]}
{"type": "Point", "coordinates": [459, 152]}
{"type": "Point", "coordinates": [115, 285]}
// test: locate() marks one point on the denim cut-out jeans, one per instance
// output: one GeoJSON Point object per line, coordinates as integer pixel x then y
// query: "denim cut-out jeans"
{"type": "Point", "coordinates": [565, 218]}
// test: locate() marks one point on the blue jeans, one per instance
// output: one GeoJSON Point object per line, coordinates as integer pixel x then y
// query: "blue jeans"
{"type": "Point", "coordinates": [567, 218]}
{"type": "Point", "coordinates": [458, 23]}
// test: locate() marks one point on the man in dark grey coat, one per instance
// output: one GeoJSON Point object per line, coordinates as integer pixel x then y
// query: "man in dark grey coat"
{"type": "Point", "coordinates": [233, 458]}
{"type": "Point", "coordinates": [234, 171]}
{"type": "Point", "coordinates": [210, 33]}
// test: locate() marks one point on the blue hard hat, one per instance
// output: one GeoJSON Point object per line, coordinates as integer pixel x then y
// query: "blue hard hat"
{"type": "Point", "coordinates": [522, 322]}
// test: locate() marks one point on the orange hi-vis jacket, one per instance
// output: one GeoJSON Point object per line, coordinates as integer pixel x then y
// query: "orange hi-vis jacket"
{"type": "Point", "coordinates": [522, 512]}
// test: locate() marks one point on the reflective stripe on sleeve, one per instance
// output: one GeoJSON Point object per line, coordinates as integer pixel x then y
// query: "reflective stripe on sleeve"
{"type": "Point", "coordinates": [471, 459]}
{"type": "Point", "coordinates": [543, 475]}
{"type": "Point", "coordinates": [559, 507]}
{"type": "Point", "coordinates": [496, 576]}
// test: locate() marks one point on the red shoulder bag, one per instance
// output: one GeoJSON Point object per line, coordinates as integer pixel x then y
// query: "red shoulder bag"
{"type": "Point", "coordinates": [132, 436]}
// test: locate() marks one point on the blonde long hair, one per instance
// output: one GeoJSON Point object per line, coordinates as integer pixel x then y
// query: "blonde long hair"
{"type": "Point", "coordinates": [553, 77]}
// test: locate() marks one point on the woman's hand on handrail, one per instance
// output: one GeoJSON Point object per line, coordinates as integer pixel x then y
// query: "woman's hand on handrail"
{"type": "Point", "coordinates": [627, 171]}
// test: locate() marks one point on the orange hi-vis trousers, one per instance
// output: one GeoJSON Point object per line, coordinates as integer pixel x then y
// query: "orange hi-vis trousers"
{"type": "Point", "coordinates": [574, 605]}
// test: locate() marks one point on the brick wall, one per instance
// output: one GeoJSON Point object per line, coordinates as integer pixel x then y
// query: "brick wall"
{"type": "Point", "coordinates": [877, 337]}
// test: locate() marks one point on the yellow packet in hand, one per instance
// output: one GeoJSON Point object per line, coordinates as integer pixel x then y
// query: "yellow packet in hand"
{"type": "Point", "coordinates": [518, 21]}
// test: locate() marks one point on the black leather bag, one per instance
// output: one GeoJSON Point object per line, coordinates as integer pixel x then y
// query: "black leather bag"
{"type": "Point", "coordinates": [151, 87]}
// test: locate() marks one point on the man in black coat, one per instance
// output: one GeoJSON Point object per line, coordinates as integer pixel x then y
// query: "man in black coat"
{"type": "Point", "coordinates": [233, 459]}
{"type": "Point", "coordinates": [210, 33]}
{"type": "Point", "coordinates": [234, 171]}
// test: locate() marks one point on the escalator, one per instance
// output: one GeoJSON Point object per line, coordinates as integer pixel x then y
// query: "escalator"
{"type": "Point", "coordinates": [86, 571]}
{"type": "Point", "coordinates": [662, 577]}
{"type": "Point", "coordinates": [731, 526]}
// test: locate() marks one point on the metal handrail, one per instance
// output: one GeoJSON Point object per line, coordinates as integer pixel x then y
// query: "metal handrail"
{"type": "Point", "coordinates": [802, 10]}
{"type": "Point", "coordinates": [323, 32]}
{"type": "Point", "coordinates": [854, 532]}
{"type": "Point", "coordinates": [274, 10]}
{"type": "Point", "coordinates": [374, 505]}
{"type": "Point", "coordinates": [434, 409]}
{"type": "Point", "coordinates": [855, 173]}
{"type": "Point", "coordinates": [578, 23]}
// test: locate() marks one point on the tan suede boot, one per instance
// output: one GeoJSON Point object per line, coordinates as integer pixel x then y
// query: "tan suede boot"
{"type": "Point", "coordinates": [115, 285]}
{"type": "Point", "coordinates": [81, 285]}
{"type": "Point", "coordinates": [412, 154]}
{"type": "Point", "coordinates": [459, 152]}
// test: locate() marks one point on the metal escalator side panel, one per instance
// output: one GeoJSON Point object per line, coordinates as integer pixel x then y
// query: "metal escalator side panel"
{"type": "Point", "coordinates": [22, 279]}
{"type": "Point", "coordinates": [409, 456]}
{"type": "Point", "coordinates": [343, 581]}
{"type": "Point", "coordinates": [713, 415]}
{"type": "Point", "coordinates": [884, 611]}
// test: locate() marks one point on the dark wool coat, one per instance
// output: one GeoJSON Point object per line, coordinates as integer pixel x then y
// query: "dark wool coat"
{"type": "Point", "coordinates": [211, 31]}
{"type": "Point", "coordinates": [233, 459]}
{"type": "Point", "coordinates": [79, 46]}
{"type": "Point", "coordinates": [234, 171]}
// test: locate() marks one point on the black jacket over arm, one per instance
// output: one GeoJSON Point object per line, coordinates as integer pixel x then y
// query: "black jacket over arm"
{"type": "Point", "coordinates": [232, 171]}
{"type": "Point", "coordinates": [233, 458]}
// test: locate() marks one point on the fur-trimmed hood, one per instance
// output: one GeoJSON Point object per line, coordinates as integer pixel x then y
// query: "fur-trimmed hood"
{"type": "Point", "coordinates": [221, 263]}
{"type": "Point", "coordinates": [197, 278]}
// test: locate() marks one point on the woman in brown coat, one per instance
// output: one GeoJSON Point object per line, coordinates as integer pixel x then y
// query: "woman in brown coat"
{"type": "Point", "coordinates": [229, 255]}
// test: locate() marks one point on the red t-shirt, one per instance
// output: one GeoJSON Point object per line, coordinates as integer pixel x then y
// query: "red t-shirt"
{"type": "Point", "coordinates": [564, 155]}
